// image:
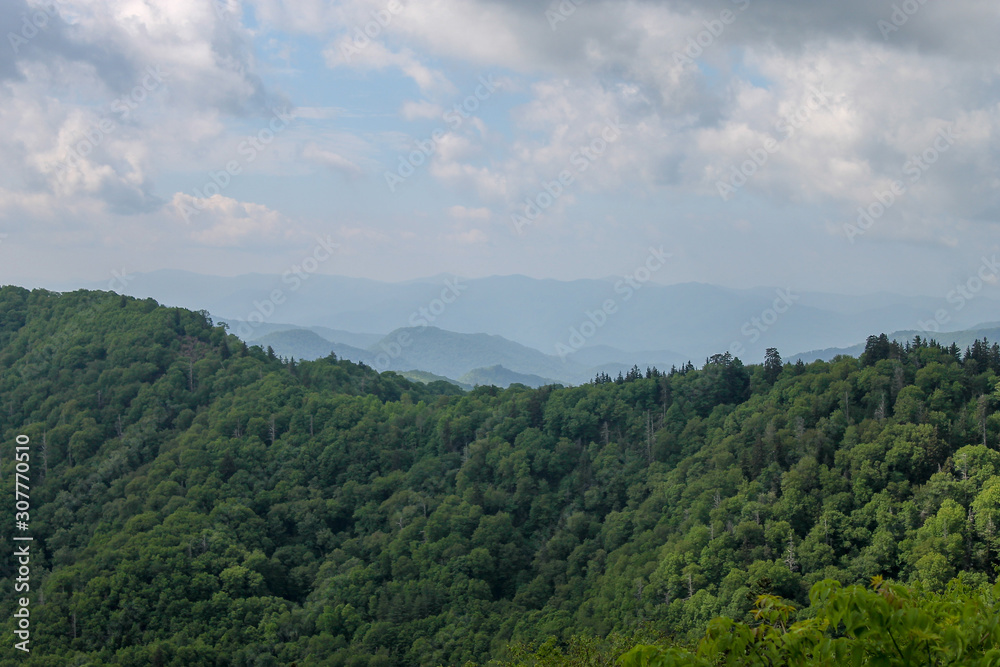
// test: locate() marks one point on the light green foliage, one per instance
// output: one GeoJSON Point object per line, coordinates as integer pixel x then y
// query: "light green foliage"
{"type": "Point", "coordinates": [889, 625]}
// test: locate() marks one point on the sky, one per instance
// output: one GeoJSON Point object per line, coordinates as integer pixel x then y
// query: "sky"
{"type": "Point", "coordinates": [846, 147]}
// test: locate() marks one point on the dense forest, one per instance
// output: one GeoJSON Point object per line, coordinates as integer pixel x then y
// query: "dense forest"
{"type": "Point", "coordinates": [195, 501]}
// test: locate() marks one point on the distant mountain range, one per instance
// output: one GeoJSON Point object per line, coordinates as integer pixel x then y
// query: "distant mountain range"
{"type": "Point", "coordinates": [963, 339]}
{"type": "Point", "coordinates": [465, 359]}
{"type": "Point", "coordinates": [427, 378]}
{"type": "Point", "coordinates": [356, 340]}
{"type": "Point", "coordinates": [309, 345]}
{"type": "Point", "coordinates": [563, 331]}
{"type": "Point", "coordinates": [502, 377]}
{"type": "Point", "coordinates": [427, 354]}
{"type": "Point", "coordinates": [688, 321]}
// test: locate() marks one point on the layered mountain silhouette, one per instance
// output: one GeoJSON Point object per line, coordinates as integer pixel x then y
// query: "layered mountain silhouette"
{"type": "Point", "coordinates": [564, 331]}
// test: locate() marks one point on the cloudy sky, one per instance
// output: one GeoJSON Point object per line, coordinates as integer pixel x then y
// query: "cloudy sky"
{"type": "Point", "coordinates": [487, 137]}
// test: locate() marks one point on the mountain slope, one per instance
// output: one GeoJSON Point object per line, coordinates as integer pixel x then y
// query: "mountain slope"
{"type": "Point", "coordinates": [501, 377]}
{"type": "Point", "coordinates": [453, 355]}
{"type": "Point", "coordinates": [961, 338]}
{"type": "Point", "coordinates": [426, 378]}
{"type": "Point", "coordinates": [252, 332]}
{"type": "Point", "coordinates": [307, 345]}
{"type": "Point", "coordinates": [444, 353]}
{"type": "Point", "coordinates": [194, 501]}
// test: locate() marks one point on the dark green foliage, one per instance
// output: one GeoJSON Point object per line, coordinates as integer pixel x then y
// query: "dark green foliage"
{"type": "Point", "coordinates": [200, 502]}
{"type": "Point", "coordinates": [772, 365]}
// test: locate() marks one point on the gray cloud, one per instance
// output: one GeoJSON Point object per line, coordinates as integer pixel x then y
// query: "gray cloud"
{"type": "Point", "coordinates": [690, 119]}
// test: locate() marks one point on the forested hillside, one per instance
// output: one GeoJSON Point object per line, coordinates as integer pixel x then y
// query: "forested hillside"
{"type": "Point", "coordinates": [198, 502]}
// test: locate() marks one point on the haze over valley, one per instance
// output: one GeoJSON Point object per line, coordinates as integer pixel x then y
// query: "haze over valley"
{"type": "Point", "coordinates": [451, 326]}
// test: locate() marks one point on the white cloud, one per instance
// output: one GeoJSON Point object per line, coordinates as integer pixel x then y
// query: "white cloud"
{"type": "Point", "coordinates": [686, 124]}
{"type": "Point", "coordinates": [376, 56]}
{"type": "Point", "coordinates": [465, 213]}
{"type": "Point", "coordinates": [469, 237]}
{"type": "Point", "coordinates": [108, 94]}
{"type": "Point", "coordinates": [329, 159]}
{"type": "Point", "coordinates": [423, 109]}
{"type": "Point", "coordinates": [318, 113]}
{"type": "Point", "coordinates": [225, 222]}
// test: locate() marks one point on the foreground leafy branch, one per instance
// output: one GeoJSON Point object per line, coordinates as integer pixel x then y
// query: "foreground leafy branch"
{"type": "Point", "coordinates": [886, 624]}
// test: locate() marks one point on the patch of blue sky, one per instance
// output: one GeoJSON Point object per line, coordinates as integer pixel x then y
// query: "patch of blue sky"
{"type": "Point", "coordinates": [749, 74]}
{"type": "Point", "coordinates": [718, 78]}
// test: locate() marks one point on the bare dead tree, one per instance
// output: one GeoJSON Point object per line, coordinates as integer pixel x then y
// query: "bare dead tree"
{"type": "Point", "coordinates": [790, 561]}
{"type": "Point", "coordinates": [193, 350]}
